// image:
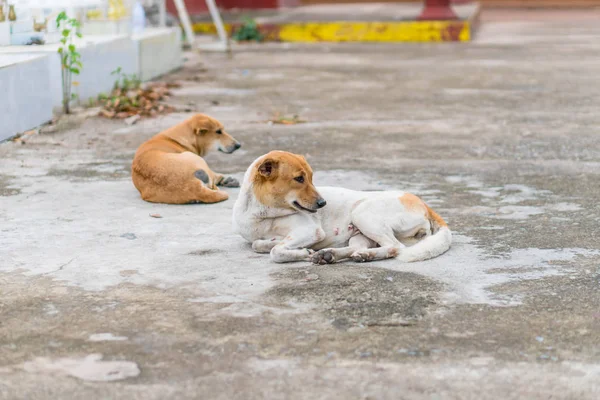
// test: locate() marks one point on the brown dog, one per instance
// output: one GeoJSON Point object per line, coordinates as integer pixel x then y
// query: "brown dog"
{"type": "Point", "coordinates": [169, 167]}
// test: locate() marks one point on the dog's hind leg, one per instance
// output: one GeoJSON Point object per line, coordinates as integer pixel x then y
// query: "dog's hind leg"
{"type": "Point", "coordinates": [333, 255]}
{"type": "Point", "coordinates": [207, 192]}
{"type": "Point", "coordinates": [209, 196]}
{"type": "Point", "coordinates": [390, 248]}
{"type": "Point", "coordinates": [203, 176]}
{"type": "Point", "coordinates": [377, 227]}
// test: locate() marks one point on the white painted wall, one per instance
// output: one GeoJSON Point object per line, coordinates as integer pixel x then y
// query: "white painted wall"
{"type": "Point", "coordinates": [25, 96]}
{"type": "Point", "coordinates": [100, 56]}
{"type": "Point", "coordinates": [163, 41]}
{"type": "Point", "coordinates": [30, 78]}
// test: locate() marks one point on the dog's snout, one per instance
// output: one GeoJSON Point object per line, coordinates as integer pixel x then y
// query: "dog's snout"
{"type": "Point", "coordinates": [321, 203]}
{"type": "Point", "coordinates": [237, 145]}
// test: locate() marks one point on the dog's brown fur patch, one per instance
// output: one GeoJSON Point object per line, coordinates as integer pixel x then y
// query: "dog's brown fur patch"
{"type": "Point", "coordinates": [412, 203]}
{"type": "Point", "coordinates": [164, 167]}
{"type": "Point", "coordinates": [415, 204]}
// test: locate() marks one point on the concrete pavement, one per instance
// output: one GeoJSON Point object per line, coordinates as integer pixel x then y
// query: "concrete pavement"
{"type": "Point", "coordinates": [98, 299]}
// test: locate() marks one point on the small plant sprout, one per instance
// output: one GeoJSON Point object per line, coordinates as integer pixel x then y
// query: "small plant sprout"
{"type": "Point", "coordinates": [69, 57]}
{"type": "Point", "coordinates": [248, 32]}
{"type": "Point", "coordinates": [125, 81]}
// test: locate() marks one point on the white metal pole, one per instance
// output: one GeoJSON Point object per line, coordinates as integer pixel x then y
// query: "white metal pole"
{"type": "Point", "coordinates": [185, 21]}
{"type": "Point", "coordinates": [162, 13]}
{"type": "Point", "coordinates": [216, 17]}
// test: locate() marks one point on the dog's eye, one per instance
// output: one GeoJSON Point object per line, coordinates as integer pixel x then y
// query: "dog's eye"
{"type": "Point", "coordinates": [299, 179]}
{"type": "Point", "coordinates": [219, 131]}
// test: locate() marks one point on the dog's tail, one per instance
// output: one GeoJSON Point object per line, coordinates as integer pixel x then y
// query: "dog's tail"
{"type": "Point", "coordinates": [431, 246]}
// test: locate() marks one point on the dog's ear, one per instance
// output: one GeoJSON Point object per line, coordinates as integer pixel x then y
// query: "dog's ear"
{"type": "Point", "coordinates": [200, 124]}
{"type": "Point", "coordinates": [268, 168]}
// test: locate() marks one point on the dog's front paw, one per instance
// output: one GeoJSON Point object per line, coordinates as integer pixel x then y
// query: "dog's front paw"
{"type": "Point", "coordinates": [230, 182]}
{"type": "Point", "coordinates": [323, 257]}
{"type": "Point", "coordinates": [362, 256]}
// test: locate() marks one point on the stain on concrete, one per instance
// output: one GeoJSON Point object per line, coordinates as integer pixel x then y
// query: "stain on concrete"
{"type": "Point", "coordinates": [204, 252]}
{"type": "Point", "coordinates": [351, 296]}
{"type": "Point", "coordinates": [6, 188]}
{"type": "Point", "coordinates": [91, 368]}
{"type": "Point", "coordinates": [105, 337]}
{"type": "Point", "coordinates": [84, 174]}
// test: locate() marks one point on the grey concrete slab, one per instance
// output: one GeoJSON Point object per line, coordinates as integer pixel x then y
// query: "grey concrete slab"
{"type": "Point", "coordinates": [100, 300]}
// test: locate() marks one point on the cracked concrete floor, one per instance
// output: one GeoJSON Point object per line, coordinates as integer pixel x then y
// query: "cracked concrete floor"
{"type": "Point", "coordinates": [100, 300]}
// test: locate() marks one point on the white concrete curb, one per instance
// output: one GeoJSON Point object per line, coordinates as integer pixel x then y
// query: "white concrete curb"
{"type": "Point", "coordinates": [25, 95]}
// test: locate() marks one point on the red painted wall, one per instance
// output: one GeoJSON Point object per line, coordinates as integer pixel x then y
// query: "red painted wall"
{"type": "Point", "coordinates": [193, 7]}
{"type": "Point", "coordinates": [199, 6]}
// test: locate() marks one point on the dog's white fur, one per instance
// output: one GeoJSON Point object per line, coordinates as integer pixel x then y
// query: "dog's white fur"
{"type": "Point", "coordinates": [363, 226]}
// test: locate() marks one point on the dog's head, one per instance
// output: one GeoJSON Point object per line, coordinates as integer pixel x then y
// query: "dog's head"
{"type": "Point", "coordinates": [284, 180]}
{"type": "Point", "coordinates": [210, 134]}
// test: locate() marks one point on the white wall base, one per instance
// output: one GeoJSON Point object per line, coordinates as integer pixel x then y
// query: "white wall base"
{"type": "Point", "coordinates": [100, 56]}
{"type": "Point", "coordinates": [25, 97]}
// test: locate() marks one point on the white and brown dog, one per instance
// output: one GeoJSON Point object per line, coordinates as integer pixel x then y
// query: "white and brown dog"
{"type": "Point", "coordinates": [169, 167]}
{"type": "Point", "coordinates": [280, 211]}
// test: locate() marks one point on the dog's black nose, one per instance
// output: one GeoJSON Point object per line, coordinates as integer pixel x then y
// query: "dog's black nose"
{"type": "Point", "coordinates": [321, 203]}
{"type": "Point", "coordinates": [238, 145]}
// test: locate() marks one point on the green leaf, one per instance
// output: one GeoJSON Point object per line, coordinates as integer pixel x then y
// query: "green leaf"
{"type": "Point", "coordinates": [74, 70]}
{"type": "Point", "coordinates": [75, 54]}
{"type": "Point", "coordinates": [116, 71]}
{"type": "Point", "coordinates": [60, 50]}
{"type": "Point", "coordinates": [66, 32]}
{"type": "Point", "coordinates": [72, 48]}
{"type": "Point", "coordinates": [73, 96]}
{"type": "Point", "coordinates": [60, 17]}
{"type": "Point", "coordinates": [79, 35]}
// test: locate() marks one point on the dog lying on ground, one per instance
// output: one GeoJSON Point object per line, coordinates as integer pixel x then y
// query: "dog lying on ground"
{"type": "Point", "coordinates": [169, 167]}
{"type": "Point", "coordinates": [281, 212]}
